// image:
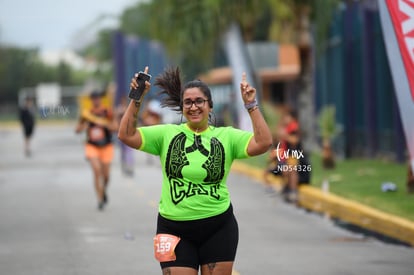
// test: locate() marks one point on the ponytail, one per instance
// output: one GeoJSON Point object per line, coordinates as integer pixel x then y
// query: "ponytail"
{"type": "Point", "coordinates": [170, 83]}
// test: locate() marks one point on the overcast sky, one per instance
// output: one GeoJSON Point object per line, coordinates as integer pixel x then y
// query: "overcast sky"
{"type": "Point", "coordinates": [53, 24]}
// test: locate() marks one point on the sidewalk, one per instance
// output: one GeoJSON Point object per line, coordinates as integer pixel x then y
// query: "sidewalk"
{"type": "Point", "coordinates": [346, 210]}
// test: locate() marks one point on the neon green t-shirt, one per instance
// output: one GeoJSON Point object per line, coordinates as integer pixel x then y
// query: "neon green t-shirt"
{"type": "Point", "coordinates": [195, 167]}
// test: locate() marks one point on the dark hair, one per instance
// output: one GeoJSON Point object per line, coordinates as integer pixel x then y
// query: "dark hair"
{"type": "Point", "coordinates": [203, 88]}
{"type": "Point", "coordinates": [170, 83]}
{"type": "Point", "coordinates": [96, 94]}
{"type": "Point", "coordinates": [292, 112]}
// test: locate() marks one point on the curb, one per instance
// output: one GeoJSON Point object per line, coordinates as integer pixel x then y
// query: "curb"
{"type": "Point", "coordinates": [316, 200]}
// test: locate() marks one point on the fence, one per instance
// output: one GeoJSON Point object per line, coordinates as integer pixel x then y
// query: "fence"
{"type": "Point", "coordinates": [352, 73]}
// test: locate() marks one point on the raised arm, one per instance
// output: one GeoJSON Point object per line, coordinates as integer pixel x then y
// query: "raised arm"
{"type": "Point", "coordinates": [113, 124]}
{"type": "Point", "coordinates": [262, 137]}
{"type": "Point", "coordinates": [80, 126]}
{"type": "Point", "coordinates": [127, 132]}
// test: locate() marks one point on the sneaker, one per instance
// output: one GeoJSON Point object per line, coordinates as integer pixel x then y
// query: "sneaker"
{"type": "Point", "coordinates": [101, 205]}
{"type": "Point", "coordinates": [285, 190]}
{"type": "Point", "coordinates": [293, 196]}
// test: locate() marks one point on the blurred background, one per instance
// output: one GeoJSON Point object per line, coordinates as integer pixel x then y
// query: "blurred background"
{"type": "Point", "coordinates": [326, 59]}
{"type": "Point", "coordinates": [308, 54]}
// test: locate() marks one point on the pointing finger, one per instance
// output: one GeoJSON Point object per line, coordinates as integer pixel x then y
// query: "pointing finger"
{"type": "Point", "coordinates": [146, 69]}
{"type": "Point", "coordinates": [244, 78]}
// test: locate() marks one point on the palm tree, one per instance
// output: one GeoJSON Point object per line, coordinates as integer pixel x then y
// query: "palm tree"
{"type": "Point", "coordinates": [328, 130]}
{"type": "Point", "coordinates": [192, 30]}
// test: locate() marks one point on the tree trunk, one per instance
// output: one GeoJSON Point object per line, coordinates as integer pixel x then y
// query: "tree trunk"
{"type": "Point", "coordinates": [328, 159]}
{"type": "Point", "coordinates": [305, 98]}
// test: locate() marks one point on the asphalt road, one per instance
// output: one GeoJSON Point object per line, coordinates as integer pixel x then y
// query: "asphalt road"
{"type": "Point", "coordinates": [49, 222]}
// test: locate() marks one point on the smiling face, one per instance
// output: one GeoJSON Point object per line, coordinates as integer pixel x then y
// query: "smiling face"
{"type": "Point", "coordinates": [197, 114]}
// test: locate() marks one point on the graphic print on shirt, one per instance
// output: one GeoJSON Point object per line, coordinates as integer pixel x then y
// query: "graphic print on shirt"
{"type": "Point", "coordinates": [177, 159]}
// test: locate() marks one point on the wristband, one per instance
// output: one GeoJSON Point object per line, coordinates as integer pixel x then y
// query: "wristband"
{"type": "Point", "coordinates": [250, 104]}
{"type": "Point", "coordinates": [253, 109]}
{"type": "Point", "coordinates": [137, 103]}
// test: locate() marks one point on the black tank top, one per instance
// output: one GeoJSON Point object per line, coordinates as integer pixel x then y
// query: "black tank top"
{"type": "Point", "coordinates": [99, 135]}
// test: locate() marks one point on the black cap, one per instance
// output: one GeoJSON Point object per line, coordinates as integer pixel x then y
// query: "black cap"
{"type": "Point", "coordinates": [95, 94]}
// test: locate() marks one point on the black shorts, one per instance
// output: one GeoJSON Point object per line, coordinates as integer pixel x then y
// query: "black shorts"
{"type": "Point", "coordinates": [28, 130]}
{"type": "Point", "coordinates": [203, 241]}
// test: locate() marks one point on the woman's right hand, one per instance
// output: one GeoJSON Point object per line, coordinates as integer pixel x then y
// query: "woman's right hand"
{"type": "Point", "coordinates": [127, 132]}
{"type": "Point", "coordinates": [134, 83]}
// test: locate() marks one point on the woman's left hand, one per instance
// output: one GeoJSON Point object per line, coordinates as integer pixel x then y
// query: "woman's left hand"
{"type": "Point", "coordinates": [248, 92]}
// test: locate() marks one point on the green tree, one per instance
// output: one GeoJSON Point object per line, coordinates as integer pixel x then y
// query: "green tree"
{"type": "Point", "coordinates": [134, 20]}
{"type": "Point", "coordinates": [22, 68]}
{"type": "Point", "coordinates": [328, 130]}
{"type": "Point", "coordinates": [191, 30]}
{"type": "Point", "coordinates": [101, 49]}
{"type": "Point", "coordinates": [15, 70]}
{"type": "Point", "coordinates": [64, 74]}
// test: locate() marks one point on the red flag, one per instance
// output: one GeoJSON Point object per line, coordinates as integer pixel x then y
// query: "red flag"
{"type": "Point", "coordinates": [402, 16]}
{"type": "Point", "coordinates": [397, 21]}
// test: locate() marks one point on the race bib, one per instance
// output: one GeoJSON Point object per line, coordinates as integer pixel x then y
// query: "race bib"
{"type": "Point", "coordinates": [96, 134]}
{"type": "Point", "coordinates": [164, 247]}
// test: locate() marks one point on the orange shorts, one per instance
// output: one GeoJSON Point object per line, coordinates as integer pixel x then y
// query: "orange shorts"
{"type": "Point", "coordinates": [104, 153]}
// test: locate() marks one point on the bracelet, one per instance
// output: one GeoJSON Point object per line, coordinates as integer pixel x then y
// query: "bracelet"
{"type": "Point", "coordinates": [253, 109]}
{"type": "Point", "coordinates": [250, 104]}
{"type": "Point", "coordinates": [137, 103]}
